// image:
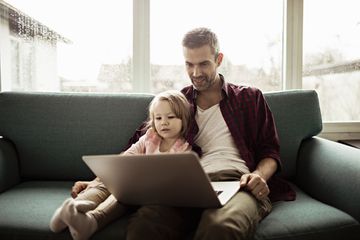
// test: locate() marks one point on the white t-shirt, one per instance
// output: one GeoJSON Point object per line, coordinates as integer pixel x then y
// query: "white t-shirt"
{"type": "Point", "coordinates": [216, 142]}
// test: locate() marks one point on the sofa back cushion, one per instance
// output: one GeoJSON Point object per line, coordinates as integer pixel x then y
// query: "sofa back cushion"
{"type": "Point", "coordinates": [51, 131]}
{"type": "Point", "coordinates": [297, 117]}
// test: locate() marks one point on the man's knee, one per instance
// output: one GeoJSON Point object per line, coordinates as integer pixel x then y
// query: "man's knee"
{"type": "Point", "coordinates": [139, 228]}
{"type": "Point", "coordinates": [226, 224]}
{"type": "Point", "coordinates": [152, 223]}
{"type": "Point", "coordinates": [225, 230]}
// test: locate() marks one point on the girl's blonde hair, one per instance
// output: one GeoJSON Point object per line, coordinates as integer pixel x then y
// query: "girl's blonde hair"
{"type": "Point", "coordinates": [178, 104]}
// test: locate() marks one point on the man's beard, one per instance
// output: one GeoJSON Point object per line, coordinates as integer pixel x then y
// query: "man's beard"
{"type": "Point", "coordinates": [203, 82]}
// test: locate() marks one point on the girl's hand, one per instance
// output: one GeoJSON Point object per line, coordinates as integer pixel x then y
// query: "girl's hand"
{"type": "Point", "coordinates": [78, 187]}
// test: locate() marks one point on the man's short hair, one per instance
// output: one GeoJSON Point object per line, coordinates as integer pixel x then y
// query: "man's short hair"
{"type": "Point", "coordinates": [199, 37]}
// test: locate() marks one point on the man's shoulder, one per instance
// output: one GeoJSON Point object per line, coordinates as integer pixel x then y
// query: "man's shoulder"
{"type": "Point", "coordinates": [243, 90]}
{"type": "Point", "coordinates": [231, 89]}
{"type": "Point", "coordinates": [186, 90]}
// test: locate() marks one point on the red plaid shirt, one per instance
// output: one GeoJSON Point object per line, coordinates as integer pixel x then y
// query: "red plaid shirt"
{"type": "Point", "coordinates": [252, 126]}
{"type": "Point", "coordinates": [249, 120]}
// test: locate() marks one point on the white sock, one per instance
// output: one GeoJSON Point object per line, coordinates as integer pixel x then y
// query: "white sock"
{"type": "Point", "coordinates": [84, 205]}
{"type": "Point", "coordinates": [56, 223]}
{"type": "Point", "coordinates": [81, 225]}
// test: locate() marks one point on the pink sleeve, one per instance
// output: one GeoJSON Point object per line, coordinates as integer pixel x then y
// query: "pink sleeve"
{"type": "Point", "coordinates": [181, 145]}
{"type": "Point", "coordinates": [138, 147]}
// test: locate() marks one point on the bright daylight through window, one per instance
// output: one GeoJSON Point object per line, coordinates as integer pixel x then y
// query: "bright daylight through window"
{"type": "Point", "coordinates": [332, 57]}
{"type": "Point", "coordinates": [65, 45]}
{"type": "Point", "coordinates": [250, 35]}
{"type": "Point", "coordinates": [87, 46]}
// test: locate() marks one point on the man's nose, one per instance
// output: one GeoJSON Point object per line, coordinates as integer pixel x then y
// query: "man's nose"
{"type": "Point", "coordinates": [196, 72]}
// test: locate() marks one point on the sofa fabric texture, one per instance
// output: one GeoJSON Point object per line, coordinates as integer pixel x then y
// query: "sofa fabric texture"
{"type": "Point", "coordinates": [44, 135]}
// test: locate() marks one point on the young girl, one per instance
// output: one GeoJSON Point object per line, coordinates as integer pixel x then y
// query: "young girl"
{"type": "Point", "coordinates": [92, 209]}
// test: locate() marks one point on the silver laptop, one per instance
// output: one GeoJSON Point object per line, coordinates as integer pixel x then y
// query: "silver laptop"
{"type": "Point", "coordinates": [174, 179]}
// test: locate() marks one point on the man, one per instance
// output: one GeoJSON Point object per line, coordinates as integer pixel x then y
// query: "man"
{"type": "Point", "coordinates": [235, 130]}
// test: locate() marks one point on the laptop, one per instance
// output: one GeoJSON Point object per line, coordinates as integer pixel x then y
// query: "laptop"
{"type": "Point", "coordinates": [172, 179]}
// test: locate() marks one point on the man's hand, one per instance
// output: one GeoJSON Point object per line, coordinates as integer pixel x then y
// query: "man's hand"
{"type": "Point", "coordinates": [78, 187]}
{"type": "Point", "coordinates": [254, 183]}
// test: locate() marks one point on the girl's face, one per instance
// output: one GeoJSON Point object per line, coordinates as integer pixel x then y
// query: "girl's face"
{"type": "Point", "coordinates": [166, 123]}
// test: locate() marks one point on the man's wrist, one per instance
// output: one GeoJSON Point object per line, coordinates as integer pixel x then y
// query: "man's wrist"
{"type": "Point", "coordinates": [259, 173]}
{"type": "Point", "coordinates": [266, 168]}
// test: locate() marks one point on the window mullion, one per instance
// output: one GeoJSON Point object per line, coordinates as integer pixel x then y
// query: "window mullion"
{"type": "Point", "coordinates": [293, 41]}
{"type": "Point", "coordinates": [141, 46]}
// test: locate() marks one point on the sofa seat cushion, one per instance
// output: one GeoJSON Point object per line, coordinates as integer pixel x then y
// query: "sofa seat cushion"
{"type": "Point", "coordinates": [306, 218]}
{"type": "Point", "coordinates": [26, 210]}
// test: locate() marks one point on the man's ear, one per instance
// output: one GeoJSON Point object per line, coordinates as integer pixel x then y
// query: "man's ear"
{"type": "Point", "coordinates": [219, 58]}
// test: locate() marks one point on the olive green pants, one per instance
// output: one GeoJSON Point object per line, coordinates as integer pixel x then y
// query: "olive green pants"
{"type": "Point", "coordinates": [236, 220]}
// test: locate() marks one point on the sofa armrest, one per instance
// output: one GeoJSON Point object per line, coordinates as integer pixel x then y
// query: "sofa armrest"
{"type": "Point", "coordinates": [330, 172]}
{"type": "Point", "coordinates": [9, 166]}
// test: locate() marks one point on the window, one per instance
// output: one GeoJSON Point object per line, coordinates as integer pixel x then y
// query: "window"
{"type": "Point", "coordinates": [135, 45]}
{"type": "Point", "coordinates": [15, 66]}
{"type": "Point", "coordinates": [249, 32]}
{"type": "Point", "coordinates": [331, 56]}
{"type": "Point", "coordinates": [64, 45]}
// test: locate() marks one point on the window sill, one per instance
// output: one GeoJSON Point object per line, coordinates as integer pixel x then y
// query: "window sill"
{"type": "Point", "coordinates": [340, 130]}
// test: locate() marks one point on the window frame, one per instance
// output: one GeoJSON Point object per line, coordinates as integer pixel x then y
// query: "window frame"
{"type": "Point", "coordinates": [292, 68]}
{"type": "Point", "coordinates": [291, 63]}
{"type": "Point", "coordinates": [292, 59]}
{"type": "Point", "coordinates": [141, 45]}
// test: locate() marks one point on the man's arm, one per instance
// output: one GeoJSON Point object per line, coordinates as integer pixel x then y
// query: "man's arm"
{"type": "Point", "coordinates": [267, 139]}
{"type": "Point", "coordinates": [256, 182]}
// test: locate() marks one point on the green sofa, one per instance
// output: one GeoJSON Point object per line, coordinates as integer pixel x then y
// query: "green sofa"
{"type": "Point", "coordinates": [44, 135]}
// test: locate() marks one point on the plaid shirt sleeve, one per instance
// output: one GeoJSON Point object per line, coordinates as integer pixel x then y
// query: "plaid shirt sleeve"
{"type": "Point", "coordinates": [267, 140]}
{"type": "Point", "coordinates": [252, 126]}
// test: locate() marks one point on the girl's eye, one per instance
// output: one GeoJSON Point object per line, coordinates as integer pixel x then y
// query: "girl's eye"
{"type": "Point", "coordinates": [171, 117]}
{"type": "Point", "coordinates": [158, 118]}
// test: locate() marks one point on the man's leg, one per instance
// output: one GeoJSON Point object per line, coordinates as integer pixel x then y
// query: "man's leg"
{"type": "Point", "coordinates": [237, 219]}
{"type": "Point", "coordinates": [161, 222]}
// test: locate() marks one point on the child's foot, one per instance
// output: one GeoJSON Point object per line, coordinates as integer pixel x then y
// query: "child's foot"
{"type": "Point", "coordinates": [56, 223]}
{"type": "Point", "coordinates": [81, 225]}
